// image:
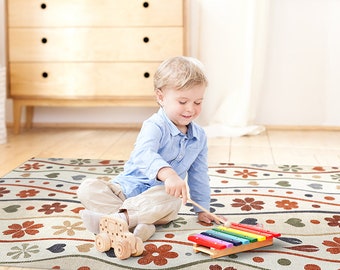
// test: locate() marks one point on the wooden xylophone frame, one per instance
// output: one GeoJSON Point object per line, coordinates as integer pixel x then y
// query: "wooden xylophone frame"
{"type": "Point", "coordinates": [214, 247]}
{"type": "Point", "coordinates": [215, 253]}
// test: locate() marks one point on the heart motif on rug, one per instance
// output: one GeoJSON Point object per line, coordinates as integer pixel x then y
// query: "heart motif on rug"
{"type": "Point", "coordinates": [57, 248]}
{"type": "Point", "coordinates": [249, 221]}
{"type": "Point", "coordinates": [26, 175]}
{"type": "Point", "coordinates": [283, 184]}
{"type": "Point", "coordinates": [105, 178]}
{"type": "Point", "coordinates": [296, 222]}
{"type": "Point", "coordinates": [77, 210]}
{"type": "Point", "coordinates": [52, 175]}
{"type": "Point", "coordinates": [253, 183]}
{"type": "Point", "coordinates": [85, 247]}
{"type": "Point", "coordinates": [319, 169]}
{"type": "Point", "coordinates": [105, 162]}
{"type": "Point", "coordinates": [315, 186]}
{"type": "Point", "coordinates": [78, 177]}
{"type": "Point", "coordinates": [11, 208]}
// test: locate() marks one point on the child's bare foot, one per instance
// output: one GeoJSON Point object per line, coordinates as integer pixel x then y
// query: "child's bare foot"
{"type": "Point", "coordinates": [144, 231]}
{"type": "Point", "coordinates": [91, 219]}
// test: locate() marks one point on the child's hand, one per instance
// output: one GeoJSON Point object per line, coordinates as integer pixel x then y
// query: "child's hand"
{"type": "Point", "coordinates": [208, 218]}
{"type": "Point", "coordinates": [176, 186]}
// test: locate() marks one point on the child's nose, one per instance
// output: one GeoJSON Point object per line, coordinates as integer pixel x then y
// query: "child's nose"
{"type": "Point", "coordinates": [190, 107]}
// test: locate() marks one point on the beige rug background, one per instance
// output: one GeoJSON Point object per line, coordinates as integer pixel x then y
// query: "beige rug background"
{"type": "Point", "coordinates": [40, 224]}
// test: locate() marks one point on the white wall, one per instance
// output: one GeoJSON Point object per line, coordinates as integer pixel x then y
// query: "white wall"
{"type": "Point", "coordinates": [302, 75]}
{"type": "Point", "coordinates": [2, 34]}
{"type": "Point", "coordinates": [303, 64]}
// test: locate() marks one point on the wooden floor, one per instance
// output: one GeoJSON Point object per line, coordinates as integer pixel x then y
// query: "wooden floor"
{"type": "Point", "coordinates": [271, 147]}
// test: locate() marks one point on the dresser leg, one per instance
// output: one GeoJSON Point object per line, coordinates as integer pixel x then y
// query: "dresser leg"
{"type": "Point", "coordinates": [29, 116]}
{"type": "Point", "coordinates": [16, 116]}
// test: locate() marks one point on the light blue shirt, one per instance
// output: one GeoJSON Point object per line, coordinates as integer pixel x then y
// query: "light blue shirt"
{"type": "Point", "coordinates": [161, 144]}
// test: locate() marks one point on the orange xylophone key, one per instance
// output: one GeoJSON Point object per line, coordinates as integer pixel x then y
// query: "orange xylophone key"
{"type": "Point", "coordinates": [255, 229]}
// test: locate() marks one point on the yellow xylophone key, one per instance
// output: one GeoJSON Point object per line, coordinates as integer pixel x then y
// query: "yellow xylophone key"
{"type": "Point", "coordinates": [247, 234]}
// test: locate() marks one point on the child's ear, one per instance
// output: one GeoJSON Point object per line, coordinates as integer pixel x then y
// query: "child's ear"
{"type": "Point", "coordinates": [159, 96]}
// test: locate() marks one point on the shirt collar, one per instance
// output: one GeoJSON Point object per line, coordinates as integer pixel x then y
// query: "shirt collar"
{"type": "Point", "coordinates": [174, 131]}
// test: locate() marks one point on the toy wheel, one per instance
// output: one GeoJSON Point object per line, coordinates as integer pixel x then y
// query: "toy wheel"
{"type": "Point", "coordinates": [139, 247]}
{"type": "Point", "coordinates": [123, 249]}
{"type": "Point", "coordinates": [103, 242]}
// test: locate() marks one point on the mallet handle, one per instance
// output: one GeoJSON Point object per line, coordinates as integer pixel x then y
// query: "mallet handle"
{"type": "Point", "coordinates": [224, 222]}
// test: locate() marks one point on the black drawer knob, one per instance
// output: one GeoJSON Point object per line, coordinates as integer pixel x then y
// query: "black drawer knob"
{"type": "Point", "coordinates": [44, 74]}
{"type": "Point", "coordinates": [145, 4]}
{"type": "Point", "coordinates": [146, 75]}
{"type": "Point", "coordinates": [43, 6]}
{"type": "Point", "coordinates": [44, 40]}
{"type": "Point", "coordinates": [146, 40]}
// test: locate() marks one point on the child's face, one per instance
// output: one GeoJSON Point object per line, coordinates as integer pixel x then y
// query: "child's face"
{"type": "Point", "coordinates": [182, 106]}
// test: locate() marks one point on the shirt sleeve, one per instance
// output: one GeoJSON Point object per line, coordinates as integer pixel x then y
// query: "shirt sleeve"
{"type": "Point", "coordinates": [198, 179]}
{"type": "Point", "coordinates": [145, 156]}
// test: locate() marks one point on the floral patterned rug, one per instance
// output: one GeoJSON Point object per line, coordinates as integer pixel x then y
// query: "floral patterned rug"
{"type": "Point", "coordinates": [41, 228]}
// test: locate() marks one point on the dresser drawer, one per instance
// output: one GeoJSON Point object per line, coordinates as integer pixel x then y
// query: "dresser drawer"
{"type": "Point", "coordinates": [88, 52]}
{"type": "Point", "coordinates": [59, 13]}
{"type": "Point", "coordinates": [94, 44]}
{"type": "Point", "coordinates": [69, 80]}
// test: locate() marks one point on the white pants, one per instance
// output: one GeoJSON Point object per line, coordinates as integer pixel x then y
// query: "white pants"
{"type": "Point", "coordinates": [153, 206]}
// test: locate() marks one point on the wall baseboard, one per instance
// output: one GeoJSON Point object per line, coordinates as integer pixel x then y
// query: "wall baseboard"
{"type": "Point", "coordinates": [139, 125]}
{"type": "Point", "coordinates": [84, 125]}
{"type": "Point", "coordinates": [306, 128]}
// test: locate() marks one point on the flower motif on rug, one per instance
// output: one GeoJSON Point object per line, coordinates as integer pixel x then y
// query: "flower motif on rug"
{"type": "Point", "coordinates": [248, 204]}
{"type": "Point", "coordinates": [158, 255]}
{"type": "Point", "coordinates": [287, 204]}
{"type": "Point", "coordinates": [26, 251]}
{"type": "Point", "coordinates": [27, 193]}
{"type": "Point", "coordinates": [3, 191]}
{"type": "Point", "coordinates": [177, 223]}
{"type": "Point", "coordinates": [34, 166]}
{"type": "Point", "coordinates": [19, 231]}
{"type": "Point", "coordinates": [41, 226]}
{"type": "Point", "coordinates": [68, 228]}
{"type": "Point", "coordinates": [293, 168]}
{"type": "Point", "coordinates": [334, 246]}
{"type": "Point", "coordinates": [333, 221]}
{"type": "Point", "coordinates": [48, 209]}
{"type": "Point", "coordinates": [246, 173]}
{"type": "Point", "coordinates": [218, 267]}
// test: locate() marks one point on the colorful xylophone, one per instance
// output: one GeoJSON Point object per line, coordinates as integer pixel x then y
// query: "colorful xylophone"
{"type": "Point", "coordinates": [222, 241]}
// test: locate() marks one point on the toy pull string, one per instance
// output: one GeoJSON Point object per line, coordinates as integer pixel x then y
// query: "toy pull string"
{"type": "Point", "coordinates": [224, 222]}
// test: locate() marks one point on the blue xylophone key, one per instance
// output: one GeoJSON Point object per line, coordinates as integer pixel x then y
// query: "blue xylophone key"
{"type": "Point", "coordinates": [222, 236]}
{"type": "Point", "coordinates": [244, 241]}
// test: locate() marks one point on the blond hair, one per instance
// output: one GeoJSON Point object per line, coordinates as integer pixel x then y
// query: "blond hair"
{"type": "Point", "coordinates": [180, 72]}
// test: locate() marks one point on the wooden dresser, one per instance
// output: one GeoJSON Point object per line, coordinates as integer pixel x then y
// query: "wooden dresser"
{"type": "Point", "coordinates": [88, 52]}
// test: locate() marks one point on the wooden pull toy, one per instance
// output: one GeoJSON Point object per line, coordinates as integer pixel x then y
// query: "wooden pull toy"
{"type": "Point", "coordinates": [114, 233]}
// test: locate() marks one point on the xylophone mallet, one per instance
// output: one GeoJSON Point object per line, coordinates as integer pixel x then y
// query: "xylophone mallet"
{"type": "Point", "coordinates": [224, 222]}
